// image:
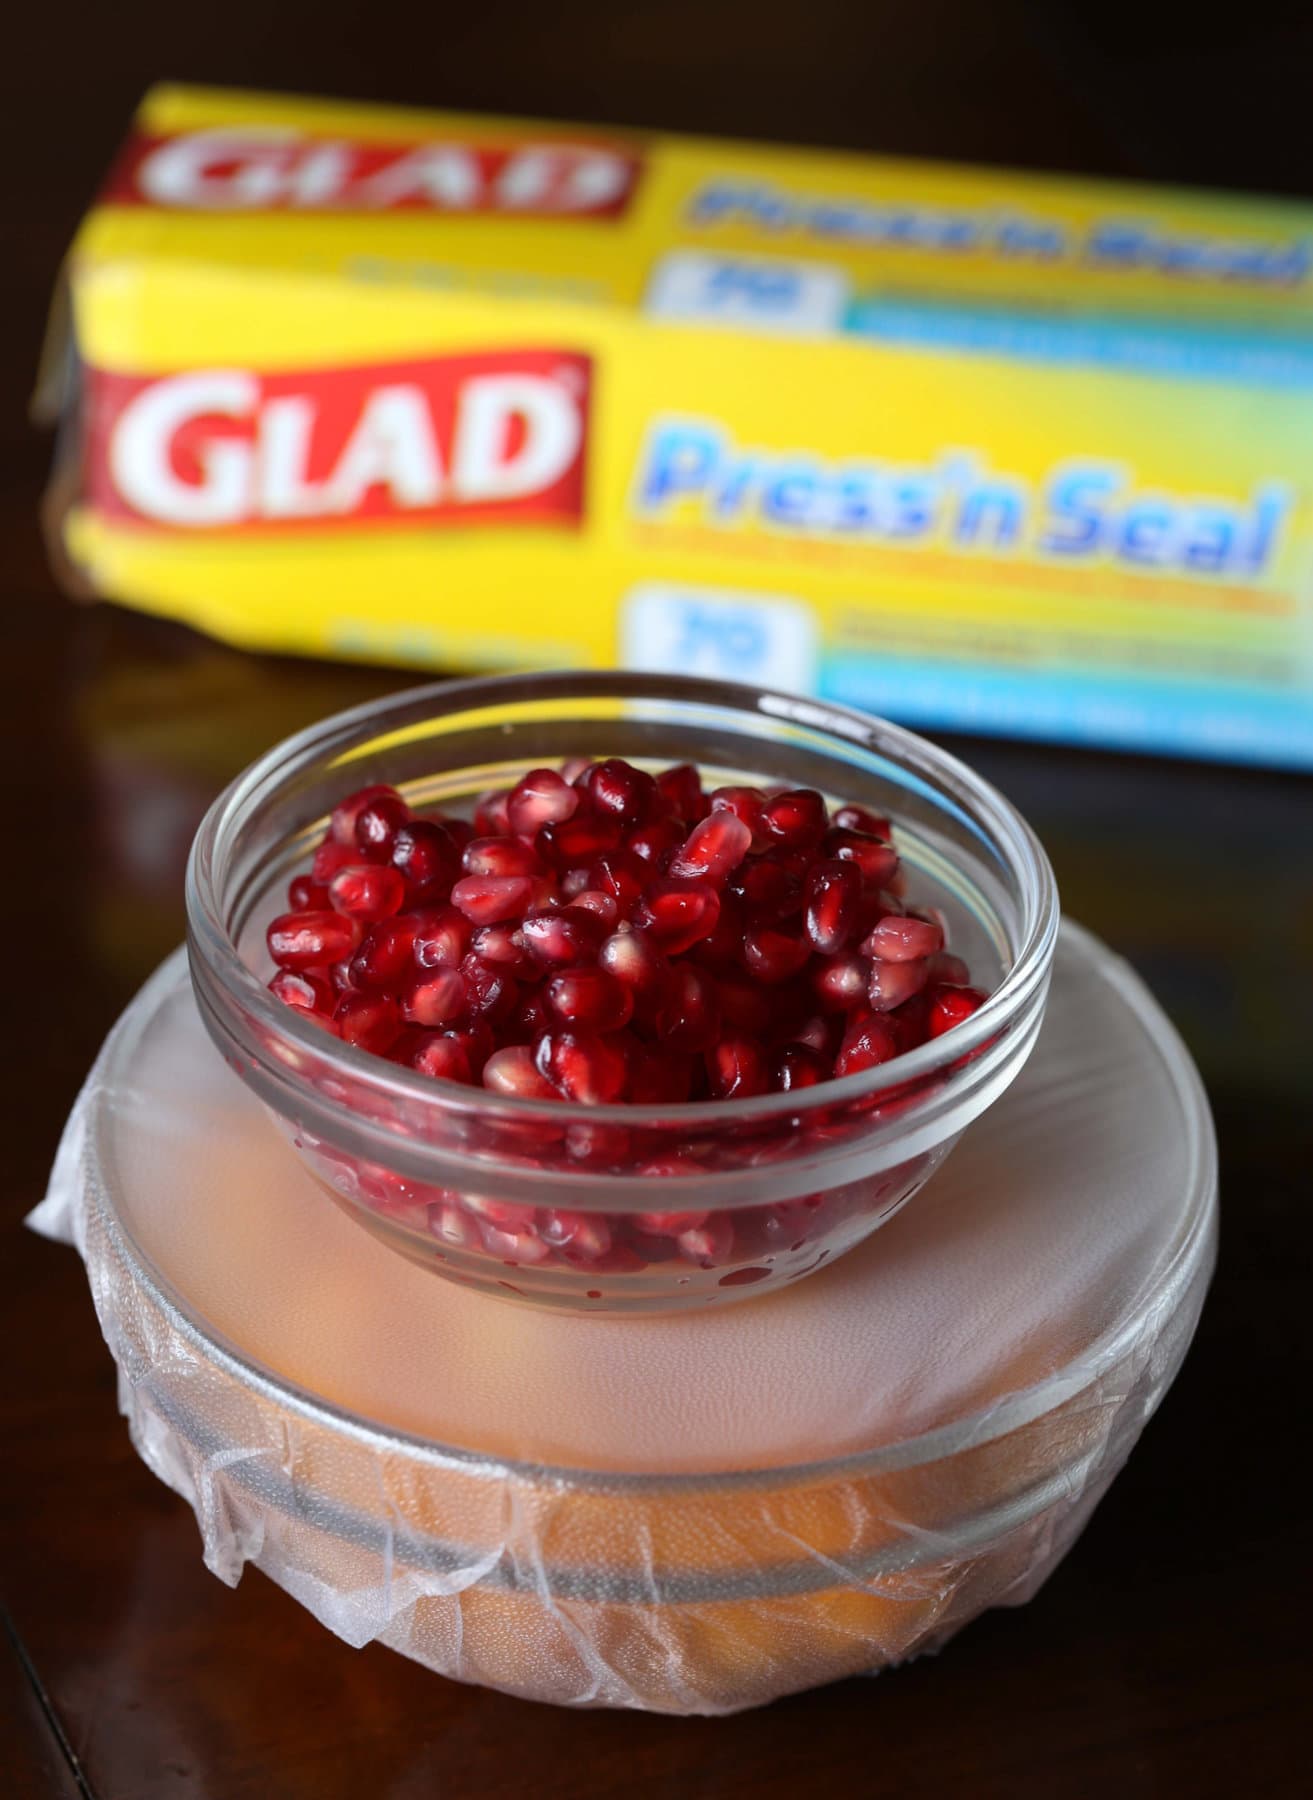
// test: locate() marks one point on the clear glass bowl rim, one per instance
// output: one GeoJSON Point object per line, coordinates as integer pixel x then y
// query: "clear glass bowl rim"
{"type": "Point", "coordinates": [210, 939]}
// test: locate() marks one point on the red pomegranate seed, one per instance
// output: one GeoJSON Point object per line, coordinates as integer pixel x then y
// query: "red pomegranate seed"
{"type": "Point", "coordinates": [515, 1248]}
{"type": "Point", "coordinates": [305, 991]}
{"type": "Point", "coordinates": [655, 844]}
{"type": "Point", "coordinates": [688, 1016]}
{"type": "Point", "coordinates": [574, 768]}
{"type": "Point", "coordinates": [681, 789]}
{"type": "Point", "coordinates": [427, 857]}
{"type": "Point", "coordinates": [678, 913]}
{"type": "Point", "coordinates": [903, 940]}
{"type": "Point", "coordinates": [598, 1145]}
{"type": "Point", "coordinates": [588, 997]}
{"type": "Point", "coordinates": [540, 798]}
{"type": "Point", "coordinates": [492, 813]}
{"type": "Point", "coordinates": [840, 982]}
{"type": "Point", "coordinates": [671, 1224]}
{"type": "Point", "coordinates": [512, 1071]}
{"type": "Point", "coordinates": [712, 849]}
{"type": "Point", "coordinates": [737, 1069]}
{"type": "Point", "coordinates": [747, 804]}
{"type": "Point", "coordinates": [377, 825]}
{"type": "Point", "coordinates": [477, 1040]}
{"type": "Point", "coordinates": [744, 1008]}
{"type": "Point", "coordinates": [500, 856]}
{"type": "Point", "coordinates": [307, 895]}
{"type": "Point", "coordinates": [442, 1056]}
{"type": "Point", "coordinates": [911, 1021]}
{"type": "Point", "coordinates": [573, 883]}
{"type": "Point", "coordinates": [368, 891]}
{"type": "Point", "coordinates": [818, 1034]}
{"type": "Point", "coordinates": [800, 1067]}
{"type": "Point", "coordinates": [582, 1066]}
{"type": "Point", "coordinates": [370, 1021]}
{"type": "Point", "coordinates": [582, 1236]}
{"type": "Point", "coordinates": [708, 1244]}
{"type": "Point", "coordinates": [949, 971]}
{"type": "Point", "coordinates": [877, 861]}
{"type": "Point", "coordinates": [604, 905]}
{"type": "Point", "coordinates": [834, 894]}
{"type": "Point", "coordinates": [441, 936]}
{"type": "Point", "coordinates": [949, 1006]}
{"type": "Point", "coordinates": [773, 955]}
{"type": "Point", "coordinates": [434, 998]}
{"type": "Point", "coordinates": [502, 947]}
{"type": "Point", "coordinates": [621, 874]}
{"type": "Point", "coordinates": [386, 953]}
{"type": "Point", "coordinates": [797, 818]}
{"type": "Point", "coordinates": [560, 940]}
{"type": "Point", "coordinates": [455, 1228]}
{"type": "Point", "coordinates": [633, 958]}
{"type": "Point", "coordinates": [342, 824]}
{"type": "Point", "coordinates": [892, 983]}
{"type": "Point", "coordinates": [867, 1041]}
{"type": "Point", "coordinates": [861, 818]}
{"type": "Point", "coordinates": [660, 1077]}
{"type": "Point", "coordinates": [578, 840]}
{"type": "Point", "coordinates": [491, 992]}
{"type": "Point", "coordinates": [311, 940]}
{"type": "Point", "coordinates": [487, 899]}
{"type": "Point", "coordinates": [329, 858]}
{"type": "Point", "coordinates": [768, 888]}
{"type": "Point", "coordinates": [620, 791]}
{"type": "Point", "coordinates": [528, 1018]}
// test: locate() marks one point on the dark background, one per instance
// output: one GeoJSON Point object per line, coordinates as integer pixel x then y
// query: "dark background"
{"type": "Point", "coordinates": [1168, 1655]}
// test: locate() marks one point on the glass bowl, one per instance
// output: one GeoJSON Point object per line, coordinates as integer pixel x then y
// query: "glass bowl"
{"type": "Point", "coordinates": [571, 1206]}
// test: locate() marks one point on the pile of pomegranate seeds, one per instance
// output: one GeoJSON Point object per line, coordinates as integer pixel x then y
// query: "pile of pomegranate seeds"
{"type": "Point", "coordinates": [600, 934]}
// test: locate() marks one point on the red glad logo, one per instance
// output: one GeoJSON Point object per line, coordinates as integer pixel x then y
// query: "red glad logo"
{"type": "Point", "coordinates": [450, 440]}
{"type": "Point", "coordinates": [278, 169]}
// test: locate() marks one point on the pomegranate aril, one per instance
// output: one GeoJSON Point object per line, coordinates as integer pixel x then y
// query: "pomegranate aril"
{"type": "Point", "coordinates": [490, 992]}
{"type": "Point", "coordinates": [582, 1236]}
{"type": "Point", "coordinates": [305, 991]}
{"type": "Point", "coordinates": [598, 1145]}
{"type": "Point", "coordinates": [949, 1006]}
{"type": "Point", "coordinates": [722, 948]}
{"type": "Point", "coordinates": [632, 958]}
{"type": "Point", "coordinates": [660, 1077]}
{"type": "Point", "coordinates": [492, 813]}
{"type": "Point", "coordinates": [911, 1021]}
{"type": "Point", "coordinates": [427, 858]}
{"type": "Point", "coordinates": [655, 844]}
{"type": "Point", "coordinates": [577, 840]}
{"type": "Point", "coordinates": [688, 1016]}
{"type": "Point", "coordinates": [514, 1247]}
{"type": "Point", "coordinates": [818, 1034]}
{"type": "Point", "coordinates": [737, 1069]}
{"type": "Point", "coordinates": [377, 825]}
{"type": "Point", "coordinates": [589, 997]}
{"type": "Point", "coordinates": [768, 887]}
{"type": "Point", "coordinates": [681, 789]}
{"type": "Point", "coordinates": [342, 823]}
{"type": "Point", "coordinates": [714, 847]}
{"type": "Point", "coordinates": [367, 891]}
{"type": "Point", "coordinates": [573, 883]}
{"type": "Point", "coordinates": [455, 1228]}
{"type": "Point", "coordinates": [834, 894]}
{"type": "Point", "coordinates": [747, 804]}
{"type": "Point", "coordinates": [582, 1066]}
{"type": "Point", "coordinates": [478, 1043]}
{"type": "Point", "coordinates": [744, 1008]}
{"type": "Point", "coordinates": [441, 936]}
{"type": "Point", "coordinates": [773, 955]}
{"type": "Point", "coordinates": [620, 791]}
{"type": "Point", "coordinates": [861, 818]}
{"type": "Point", "coordinates": [528, 1019]}
{"type": "Point", "coordinates": [893, 983]}
{"type": "Point", "coordinates": [797, 818]}
{"type": "Point", "coordinates": [487, 899]}
{"type": "Point", "coordinates": [307, 895]}
{"type": "Point", "coordinates": [435, 998]}
{"type": "Point", "coordinates": [502, 947]}
{"type": "Point", "coordinates": [678, 913]}
{"type": "Point", "coordinates": [500, 856]}
{"type": "Point", "coordinates": [559, 940]}
{"type": "Point", "coordinates": [604, 905]}
{"type": "Point", "coordinates": [800, 1067]}
{"type": "Point", "coordinates": [621, 874]}
{"type": "Point", "coordinates": [329, 858]}
{"type": "Point", "coordinates": [310, 940]}
{"type": "Point", "coordinates": [877, 860]}
{"type": "Point", "coordinates": [907, 939]}
{"type": "Point", "coordinates": [512, 1070]}
{"type": "Point", "coordinates": [867, 1042]}
{"type": "Point", "coordinates": [443, 1056]}
{"type": "Point", "coordinates": [574, 768]}
{"type": "Point", "coordinates": [540, 798]}
{"type": "Point", "coordinates": [949, 970]}
{"type": "Point", "coordinates": [708, 1244]}
{"type": "Point", "coordinates": [370, 1021]}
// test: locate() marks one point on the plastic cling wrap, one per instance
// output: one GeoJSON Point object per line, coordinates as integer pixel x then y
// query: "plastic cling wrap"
{"type": "Point", "coordinates": [691, 1514]}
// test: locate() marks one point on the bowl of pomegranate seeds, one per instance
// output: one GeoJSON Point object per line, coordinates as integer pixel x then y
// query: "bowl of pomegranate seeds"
{"type": "Point", "coordinates": [619, 992]}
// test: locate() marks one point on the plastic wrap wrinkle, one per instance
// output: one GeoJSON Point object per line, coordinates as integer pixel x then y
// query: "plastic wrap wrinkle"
{"type": "Point", "coordinates": [532, 1502]}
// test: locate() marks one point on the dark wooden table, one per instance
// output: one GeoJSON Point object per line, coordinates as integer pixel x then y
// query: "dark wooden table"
{"type": "Point", "coordinates": [1169, 1654]}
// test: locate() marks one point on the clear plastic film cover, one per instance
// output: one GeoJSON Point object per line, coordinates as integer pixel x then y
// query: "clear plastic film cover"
{"type": "Point", "coordinates": [691, 1514]}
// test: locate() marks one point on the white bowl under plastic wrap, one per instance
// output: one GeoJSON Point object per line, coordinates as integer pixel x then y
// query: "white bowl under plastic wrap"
{"type": "Point", "coordinates": [688, 1514]}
